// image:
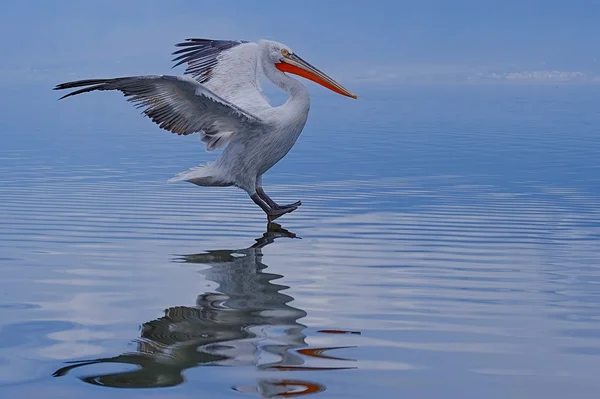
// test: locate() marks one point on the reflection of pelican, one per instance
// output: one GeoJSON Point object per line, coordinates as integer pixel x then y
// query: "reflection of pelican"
{"type": "Point", "coordinates": [248, 322]}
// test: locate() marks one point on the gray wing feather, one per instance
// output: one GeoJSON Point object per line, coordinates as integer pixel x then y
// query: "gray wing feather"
{"type": "Point", "coordinates": [178, 104]}
{"type": "Point", "coordinates": [201, 55]}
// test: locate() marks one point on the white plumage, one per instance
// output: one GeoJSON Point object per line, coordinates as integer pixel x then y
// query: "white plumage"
{"type": "Point", "coordinates": [224, 103]}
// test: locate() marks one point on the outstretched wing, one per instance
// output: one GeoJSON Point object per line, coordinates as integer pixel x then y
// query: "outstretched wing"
{"type": "Point", "coordinates": [227, 67]}
{"type": "Point", "coordinates": [178, 104]}
{"type": "Point", "coordinates": [201, 56]}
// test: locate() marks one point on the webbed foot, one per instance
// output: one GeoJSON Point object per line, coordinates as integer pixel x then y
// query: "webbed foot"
{"type": "Point", "coordinates": [276, 213]}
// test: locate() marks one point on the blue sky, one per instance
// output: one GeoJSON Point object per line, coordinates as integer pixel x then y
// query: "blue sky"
{"type": "Point", "coordinates": [375, 41]}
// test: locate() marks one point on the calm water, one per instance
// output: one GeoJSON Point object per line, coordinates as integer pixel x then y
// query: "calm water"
{"type": "Point", "coordinates": [448, 246]}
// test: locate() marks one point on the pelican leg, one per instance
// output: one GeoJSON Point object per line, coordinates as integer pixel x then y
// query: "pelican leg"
{"type": "Point", "coordinates": [259, 201]}
{"type": "Point", "coordinates": [272, 213]}
{"type": "Point", "coordinates": [261, 193]}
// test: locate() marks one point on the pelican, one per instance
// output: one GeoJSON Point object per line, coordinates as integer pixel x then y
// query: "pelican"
{"type": "Point", "coordinates": [219, 96]}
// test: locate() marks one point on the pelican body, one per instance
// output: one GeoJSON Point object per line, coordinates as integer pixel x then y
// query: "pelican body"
{"type": "Point", "coordinates": [220, 97]}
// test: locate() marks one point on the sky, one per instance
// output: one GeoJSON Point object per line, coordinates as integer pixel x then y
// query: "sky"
{"type": "Point", "coordinates": [375, 42]}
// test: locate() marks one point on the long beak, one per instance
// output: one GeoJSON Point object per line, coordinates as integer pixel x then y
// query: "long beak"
{"type": "Point", "coordinates": [296, 65]}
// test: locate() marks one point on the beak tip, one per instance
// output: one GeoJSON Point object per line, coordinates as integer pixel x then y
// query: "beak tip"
{"type": "Point", "coordinates": [354, 96]}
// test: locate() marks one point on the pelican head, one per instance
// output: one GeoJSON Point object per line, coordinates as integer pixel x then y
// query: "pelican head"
{"type": "Point", "coordinates": [286, 60]}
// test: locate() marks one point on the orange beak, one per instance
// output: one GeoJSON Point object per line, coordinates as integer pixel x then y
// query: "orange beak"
{"type": "Point", "coordinates": [296, 65]}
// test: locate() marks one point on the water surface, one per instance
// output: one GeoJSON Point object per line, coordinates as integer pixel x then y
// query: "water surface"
{"type": "Point", "coordinates": [447, 245]}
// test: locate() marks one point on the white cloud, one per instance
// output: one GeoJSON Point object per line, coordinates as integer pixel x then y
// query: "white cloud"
{"type": "Point", "coordinates": [464, 74]}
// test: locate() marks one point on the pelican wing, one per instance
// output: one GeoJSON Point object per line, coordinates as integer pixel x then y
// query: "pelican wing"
{"type": "Point", "coordinates": [202, 56]}
{"type": "Point", "coordinates": [180, 105]}
{"type": "Point", "coordinates": [228, 68]}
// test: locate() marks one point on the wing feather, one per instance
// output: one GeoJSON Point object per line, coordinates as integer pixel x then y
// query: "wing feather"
{"type": "Point", "coordinates": [227, 67]}
{"type": "Point", "coordinates": [177, 104]}
{"type": "Point", "coordinates": [201, 56]}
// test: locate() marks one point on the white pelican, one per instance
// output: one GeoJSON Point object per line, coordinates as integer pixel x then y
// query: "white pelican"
{"type": "Point", "coordinates": [223, 101]}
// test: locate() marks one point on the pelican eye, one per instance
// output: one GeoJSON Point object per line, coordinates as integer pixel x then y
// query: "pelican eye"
{"type": "Point", "coordinates": [285, 52]}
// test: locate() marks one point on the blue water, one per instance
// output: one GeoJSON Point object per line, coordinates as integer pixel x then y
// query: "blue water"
{"type": "Point", "coordinates": [448, 245]}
